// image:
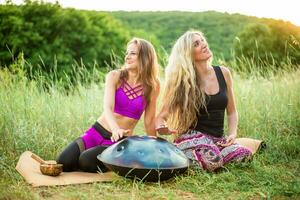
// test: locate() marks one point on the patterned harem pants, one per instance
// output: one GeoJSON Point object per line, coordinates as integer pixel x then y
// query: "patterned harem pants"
{"type": "Point", "coordinates": [203, 151]}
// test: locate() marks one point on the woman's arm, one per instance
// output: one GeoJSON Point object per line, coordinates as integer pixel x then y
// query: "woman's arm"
{"type": "Point", "coordinates": [162, 117]}
{"type": "Point", "coordinates": [232, 115]}
{"type": "Point", "coordinates": [109, 103]}
{"type": "Point", "coordinates": [161, 121]}
{"type": "Point", "coordinates": [150, 111]}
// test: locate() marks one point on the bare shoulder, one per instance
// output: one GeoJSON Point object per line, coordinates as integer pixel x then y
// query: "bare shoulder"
{"type": "Point", "coordinates": [227, 74]}
{"type": "Point", "coordinates": [225, 71]}
{"type": "Point", "coordinates": [113, 76]}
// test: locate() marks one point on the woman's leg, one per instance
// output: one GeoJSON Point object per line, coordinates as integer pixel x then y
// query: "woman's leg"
{"type": "Point", "coordinates": [235, 153]}
{"type": "Point", "coordinates": [88, 161]}
{"type": "Point", "coordinates": [209, 156]}
{"type": "Point", "coordinates": [69, 156]}
{"type": "Point", "coordinates": [93, 137]}
{"type": "Point", "coordinates": [200, 148]}
{"type": "Point", "coordinates": [95, 140]}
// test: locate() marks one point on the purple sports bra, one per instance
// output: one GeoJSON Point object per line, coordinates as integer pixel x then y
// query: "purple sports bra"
{"type": "Point", "coordinates": [130, 101]}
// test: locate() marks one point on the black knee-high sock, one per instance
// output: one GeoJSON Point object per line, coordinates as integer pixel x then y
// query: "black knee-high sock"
{"type": "Point", "coordinates": [69, 157]}
{"type": "Point", "coordinates": [88, 161]}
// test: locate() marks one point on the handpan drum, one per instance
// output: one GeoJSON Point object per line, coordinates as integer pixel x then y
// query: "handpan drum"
{"type": "Point", "coordinates": [145, 158]}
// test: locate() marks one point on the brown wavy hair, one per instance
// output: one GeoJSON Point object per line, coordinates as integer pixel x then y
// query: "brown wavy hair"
{"type": "Point", "coordinates": [148, 66]}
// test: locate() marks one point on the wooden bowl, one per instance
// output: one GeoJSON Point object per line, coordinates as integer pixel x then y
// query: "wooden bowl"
{"type": "Point", "coordinates": [51, 169]}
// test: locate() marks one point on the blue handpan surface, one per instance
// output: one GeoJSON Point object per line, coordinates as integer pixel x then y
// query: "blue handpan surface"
{"type": "Point", "coordinates": [145, 158]}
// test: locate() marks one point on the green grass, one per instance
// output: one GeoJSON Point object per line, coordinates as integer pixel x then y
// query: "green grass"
{"type": "Point", "coordinates": [46, 121]}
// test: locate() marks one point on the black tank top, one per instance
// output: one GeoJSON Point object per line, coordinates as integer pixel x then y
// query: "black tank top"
{"type": "Point", "coordinates": [212, 121]}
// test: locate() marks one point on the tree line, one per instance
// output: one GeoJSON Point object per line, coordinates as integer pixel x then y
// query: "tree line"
{"type": "Point", "coordinates": [49, 36]}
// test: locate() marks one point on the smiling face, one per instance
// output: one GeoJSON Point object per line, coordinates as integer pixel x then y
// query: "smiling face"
{"type": "Point", "coordinates": [131, 56]}
{"type": "Point", "coordinates": [201, 51]}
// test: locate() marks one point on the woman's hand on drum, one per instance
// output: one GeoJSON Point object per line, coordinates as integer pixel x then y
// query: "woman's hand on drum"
{"type": "Point", "coordinates": [119, 133]}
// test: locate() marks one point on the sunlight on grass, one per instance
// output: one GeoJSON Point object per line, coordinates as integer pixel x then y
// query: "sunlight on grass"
{"type": "Point", "coordinates": [45, 120]}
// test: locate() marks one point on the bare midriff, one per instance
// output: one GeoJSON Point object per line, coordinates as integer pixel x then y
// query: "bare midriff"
{"type": "Point", "coordinates": [122, 121]}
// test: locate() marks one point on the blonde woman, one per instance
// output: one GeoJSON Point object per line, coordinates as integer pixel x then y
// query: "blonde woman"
{"type": "Point", "coordinates": [129, 92]}
{"type": "Point", "coordinates": [195, 98]}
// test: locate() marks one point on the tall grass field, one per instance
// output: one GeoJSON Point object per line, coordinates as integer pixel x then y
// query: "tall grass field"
{"type": "Point", "coordinates": [44, 121]}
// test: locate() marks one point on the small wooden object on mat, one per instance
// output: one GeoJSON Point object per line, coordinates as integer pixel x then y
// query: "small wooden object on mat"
{"type": "Point", "coordinates": [30, 170]}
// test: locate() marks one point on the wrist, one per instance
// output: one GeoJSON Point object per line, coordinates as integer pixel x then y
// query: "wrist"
{"type": "Point", "coordinates": [234, 134]}
{"type": "Point", "coordinates": [160, 122]}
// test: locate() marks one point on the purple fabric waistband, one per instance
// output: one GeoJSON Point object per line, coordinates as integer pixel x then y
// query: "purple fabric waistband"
{"type": "Point", "coordinates": [92, 138]}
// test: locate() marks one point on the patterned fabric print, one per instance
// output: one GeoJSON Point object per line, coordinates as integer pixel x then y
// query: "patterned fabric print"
{"type": "Point", "coordinates": [202, 150]}
{"type": "Point", "coordinates": [194, 142]}
{"type": "Point", "coordinates": [193, 162]}
{"type": "Point", "coordinates": [235, 153]}
{"type": "Point", "coordinates": [209, 156]}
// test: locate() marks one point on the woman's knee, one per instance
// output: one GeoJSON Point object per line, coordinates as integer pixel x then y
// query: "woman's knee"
{"type": "Point", "coordinates": [236, 153]}
{"type": "Point", "coordinates": [84, 162]}
{"type": "Point", "coordinates": [208, 157]}
{"type": "Point", "coordinates": [88, 162]}
{"type": "Point", "coordinates": [69, 157]}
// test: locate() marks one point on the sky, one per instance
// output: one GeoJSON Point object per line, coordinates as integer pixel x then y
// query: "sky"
{"type": "Point", "coordinates": [277, 9]}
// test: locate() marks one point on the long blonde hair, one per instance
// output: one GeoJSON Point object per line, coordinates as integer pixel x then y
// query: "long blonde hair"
{"type": "Point", "coordinates": [182, 94]}
{"type": "Point", "coordinates": [148, 66]}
